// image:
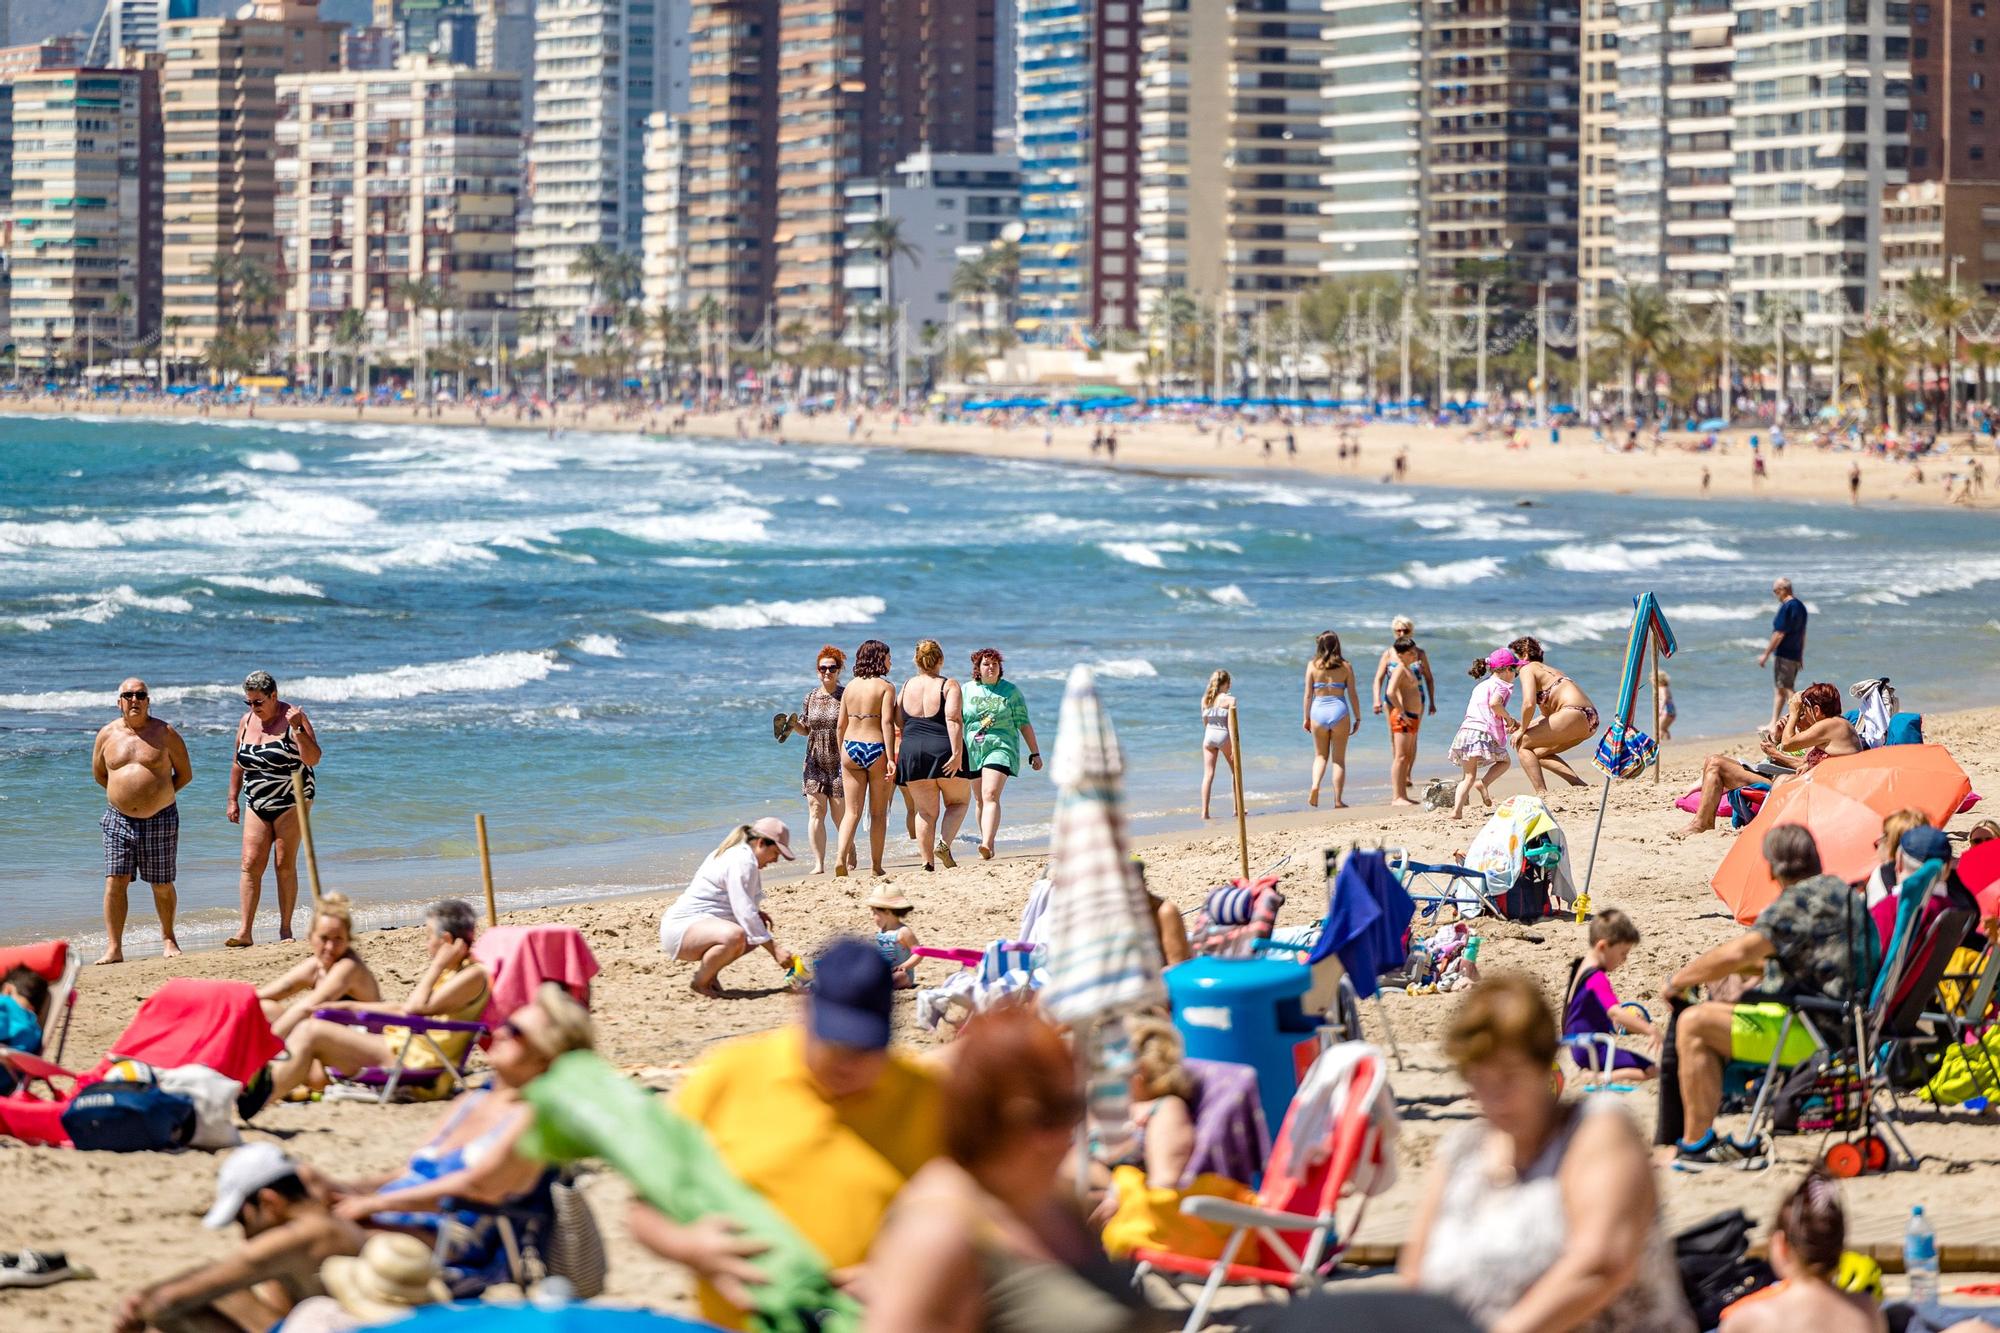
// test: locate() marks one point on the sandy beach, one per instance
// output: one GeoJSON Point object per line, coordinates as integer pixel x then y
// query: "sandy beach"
{"type": "Point", "coordinates": [1437, 456]}
{"type": "Point", "coordinates": [133, 1219]}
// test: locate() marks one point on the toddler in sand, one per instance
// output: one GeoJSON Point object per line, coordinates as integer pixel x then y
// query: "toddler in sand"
{"type": "Point", "coordinates": [1481, 740]}
{"type": "Point", "coordinates": [1592, 1010]}
{"type": "Point", "coordinates": [894, 939]}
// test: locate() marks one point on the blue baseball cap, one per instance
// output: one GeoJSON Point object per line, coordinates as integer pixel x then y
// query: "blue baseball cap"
{"type": "Point", "coordinates": [1924, 843]}
{"type": "Point", "coordinates": [852, 994]}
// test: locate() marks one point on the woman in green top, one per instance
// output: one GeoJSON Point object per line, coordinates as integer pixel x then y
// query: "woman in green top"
{"type": "Point", "coordinates": [996, 726]}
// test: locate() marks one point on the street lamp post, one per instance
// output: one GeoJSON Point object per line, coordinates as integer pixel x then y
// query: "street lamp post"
{"type": "Point", "coordinates": [1542, 353]}
{"type": "Point", "coordinates": [1480, 391]}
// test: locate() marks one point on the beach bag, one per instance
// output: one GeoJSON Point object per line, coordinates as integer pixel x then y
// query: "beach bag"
{"type": "Point", "coordinates": [1151, 1219]}
{"type": "Point", "coordinates": [129, 1117]}
{"type": "Point", "coordinates": [1715, 1268]}
{"type": "Point", "coordinates": [575, 1250]}
{"type": "Point", "coordinates": [1625, 751]}
{"type": "Point", "coordinates": [1966, 1071]}
{"type": "Point", "coordinates": [214, 1099]}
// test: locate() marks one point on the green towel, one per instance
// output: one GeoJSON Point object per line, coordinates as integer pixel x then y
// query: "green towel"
{"type": "Point", "coordinates": [585, 1108]}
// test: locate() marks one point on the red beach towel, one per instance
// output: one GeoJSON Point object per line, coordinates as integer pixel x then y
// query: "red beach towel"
{"type": "Point", "coordinates": [520, 958]}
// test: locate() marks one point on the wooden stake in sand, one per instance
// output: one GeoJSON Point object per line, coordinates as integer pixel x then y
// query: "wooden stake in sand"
{"type": "Point", "coordinates": [1236, 779]}
{"type": "Point", "coordinates": [306, 834]}
{"type": "Point", "coordinates": [486, 870]}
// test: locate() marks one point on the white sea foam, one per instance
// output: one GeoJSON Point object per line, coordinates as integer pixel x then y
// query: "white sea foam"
{"type": "Point", "coordinates": [1229, 595]}
{"type": "Point", "coordinates": [599, 645]}
{"type": "Point", "coordinates": [272, 460]}
{"type": "Point", "coordinates": [693, 562]}
{"type": "Point", "coordinates": [436, 553]}
{"type": "Point", "coordinates": [1124, 668]}
{"type": "Point", "coordinates": [1147, 554]}
{"type": "Point", "coordinates": [1452, 574]}
{"type": "Point", "coordinates": [1945, 576]}
{"type": "Point", "coordinates": [1586, 627]}
{"type": "Point", "coordinates": [827, 501]}
{"type": "Point", "coordinates": [816, 613]}
{"type": "Point", "coordinates": [278, 585]}
{"type": "Point", "coordinates": [98, 608]}
{"type": "Point", "coordinates": [487, 674]}
{"type": "Point", "coordinates": [719, 524]}
{"type": "Point", "coordinates": [1619, 558]}
{"type": "Point", "coordinates": [88, 534]}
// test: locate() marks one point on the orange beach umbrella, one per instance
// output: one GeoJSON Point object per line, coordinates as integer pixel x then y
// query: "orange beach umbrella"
{"type": "Point", "coordinates": [1898, 777]}
{"type": "Point", "coordinates": [1845, 829]}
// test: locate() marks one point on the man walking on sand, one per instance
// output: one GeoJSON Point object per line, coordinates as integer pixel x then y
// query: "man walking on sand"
{"type": "Point", "coordinates": [1405, 701]}
{"type": "Point", "coordinates": [1786, 651]}
{"type": "Point", "coordinates": [142, 763]}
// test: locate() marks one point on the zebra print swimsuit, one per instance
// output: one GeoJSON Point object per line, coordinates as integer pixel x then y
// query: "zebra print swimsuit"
{"type": "Point", "coordinates": [267, 767]}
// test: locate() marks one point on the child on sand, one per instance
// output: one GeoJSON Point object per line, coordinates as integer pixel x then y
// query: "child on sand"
{"type": "Point", "coordinates": [1806, 1244]}
{"type": "Point", "coordinates": [893, 939]}
{"type": "Point", "coordinates": [1406, 704]}
{"type": "Point", "coordinates": [22, 995]}
{"type": "Point", "coordinates": [1482, 737]}
{"type": "Point", "coordinates": [1592, 1010]}
{"type": "Point", "coordinates": [1667, 710]}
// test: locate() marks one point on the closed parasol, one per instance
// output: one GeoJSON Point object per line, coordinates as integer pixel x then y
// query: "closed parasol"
{"type": "Point", "coordinates": [1845, 829]}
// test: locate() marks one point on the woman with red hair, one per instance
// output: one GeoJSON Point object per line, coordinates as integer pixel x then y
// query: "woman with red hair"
{"type": "Point", "coordinates": [997, 734]}
{"type": "Point", "coordinates": [821, 782]}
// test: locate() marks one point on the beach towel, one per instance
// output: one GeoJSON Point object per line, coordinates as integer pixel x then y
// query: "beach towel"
{"type": "Point", "coordinates": [1230, 1136]}
{"type": "Point", "coordinates": [520, 958]}
{"type": "Point", "coordinates": [1310, 1119]}
{"type": "Point", "coordinates": [1878, 707]}
{"type": "Point", "coordinates": [1367, 919]}
{"type": "Point", "coordinates": [1500, 851]}
{"type": "Point", "coordinates": [189, 1021]}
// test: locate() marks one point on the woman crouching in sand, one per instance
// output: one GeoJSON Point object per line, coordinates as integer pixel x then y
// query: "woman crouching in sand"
{"type": "Point", "coordinates": [1330, 718]}
{"type": "Point", "coordinates": [1568, 718]}
{"type": "Point", "coordinates": [720, 916]}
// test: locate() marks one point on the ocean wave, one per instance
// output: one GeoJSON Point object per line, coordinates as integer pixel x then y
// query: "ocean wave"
{"type": "Point", "coordinates": [1147, 554]}
{"type": "Point", "coordinates": [272, 460]}
{"type": "Point", "coordinates": [1229, 595]}
{"type": "Point", "coordinates": [483, 675]}
{"type": "Point", "coordinates": [1946, 576]}
{"type": "Point", "coordinates": [827, 501]}
{"type": "Point", "coordinates": [1619, 558]}
{"type": "Point", "coordinates": [721, 525]}
{"type": "Point", "coordinates": [693, 562]}
{"type": "Point", "coordinates": [1452, 574]}
{"type": "Point", "coordinates": [88, 534]}
{"type": "Point", "coordinates": [1124, 668]}
{"type": "Point", "coordinates": [437, 553]}
{"type": "Point", "coordinates": [599, 645]}
{"type": "Point", "coordinates": [276, 514]}
{"type": "Point", "coordinates": [98, 608]}
{"type": "Point", "coordinates": [278, 585]}
{"type": "Point", "coordinates": [815, 613]}
{"type": "Point", "coordinates": [1586, 627]}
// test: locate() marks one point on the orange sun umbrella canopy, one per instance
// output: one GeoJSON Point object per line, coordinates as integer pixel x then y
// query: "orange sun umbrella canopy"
{"type": "Point", "coordinates": [1842, 803]}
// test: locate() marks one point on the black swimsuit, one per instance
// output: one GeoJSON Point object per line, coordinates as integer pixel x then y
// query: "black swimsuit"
{"type": "Point", "coordinates": [267, 767]}
{"type": "Point", "coordinates": [926, 747]}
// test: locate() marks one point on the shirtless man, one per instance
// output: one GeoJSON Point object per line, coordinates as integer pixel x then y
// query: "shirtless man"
{"type": "Point", "coordinates": [141, 763]}
{"type": "Point", "coordinates": [1405, 703]}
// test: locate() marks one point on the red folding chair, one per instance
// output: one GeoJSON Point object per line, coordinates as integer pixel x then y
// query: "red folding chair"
{"type": "Point", "coordinates": [1299, 1237]}
{"type": "Point", "coordinates": [56, 963]}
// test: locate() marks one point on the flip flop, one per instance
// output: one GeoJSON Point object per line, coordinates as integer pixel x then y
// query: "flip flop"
{"type": "Point", "coordinates": [781, 727]}
{"type": "Point", "coordinates": [35, 1268]}
{"type": "Point", "coordinates": [944, 855]}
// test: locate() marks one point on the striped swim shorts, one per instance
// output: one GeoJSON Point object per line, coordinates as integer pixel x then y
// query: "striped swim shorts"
{"type": "Point", "coordinates": [141, 848]}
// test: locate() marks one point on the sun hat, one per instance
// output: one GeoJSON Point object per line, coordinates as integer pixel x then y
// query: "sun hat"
{"type": "Point", "coordinates": [770, 826]}
{"type": "Point", "coordinates": [1501, 658]}
{"type": "Point", "coordinates": [889, 902]}
{"type": "Point", "coordinates": [393, 1275]}
{"type": "Point", "coordinates": [247, 1169]}
{"type": "Point", "coordinates": [851, 996]}
{"type": "Point", "coordinates": [1924, 843]}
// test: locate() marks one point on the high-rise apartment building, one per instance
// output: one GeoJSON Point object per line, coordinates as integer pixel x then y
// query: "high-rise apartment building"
{"type": "Point", "coordinates": [50, 53]}
{"type": "Point", "coordinates": [386, 176]}
{"type": "Point", "coordinates": [506, 41]}
{"type": "Point", "coordinates": [219, 96]}
{"type": "Point", "coordinates": [1675, 117]}
{"type": "Point", "coordinates": [83, 258]}
{"type": "Point", "coordinates": [134, 25]}
{"type": "Point", "coordinates": [1077, 102]}
{"type": "Point", "coordinates": [1597, 151]}
{"type": "Point", "coordinates": [598, 76]}
{"type": "Point", "coordinates": [1947, 221]}
{"type": "Point", "coordinates": [1819, 135]}
{"type": "Point", "coordinates": [1230, 138]}
{"type": "Point", "coordinates": [663, 256]}
{"type": "Point", "coordinates": [732, 144]}
{"type": "Point", "coordinates": [1375, 87]}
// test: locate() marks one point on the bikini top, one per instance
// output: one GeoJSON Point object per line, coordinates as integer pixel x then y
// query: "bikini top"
{"type": "Point", "coordinates": [1215, 716]}
{"type": "Point", "coordinates": [1542, 695]}
{"type": "Point", "coordinates": [1329, 685]}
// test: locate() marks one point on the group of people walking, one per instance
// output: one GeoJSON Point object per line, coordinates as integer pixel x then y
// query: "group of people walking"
{"type": "Point", "coordinates": [143, 763]}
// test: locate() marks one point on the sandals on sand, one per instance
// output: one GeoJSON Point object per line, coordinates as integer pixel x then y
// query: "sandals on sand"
{"type": "Point", "coordinates": [36, 1268]}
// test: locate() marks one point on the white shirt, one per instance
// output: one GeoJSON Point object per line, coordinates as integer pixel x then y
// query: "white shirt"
{"type": "Point", "coordinates": [729, 886]}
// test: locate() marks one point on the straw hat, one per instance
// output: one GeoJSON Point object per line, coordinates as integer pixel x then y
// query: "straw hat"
{"type": "Point", "coordinates": [392, 1276]}
{"type": "Point", "coordinates": [889, 902]}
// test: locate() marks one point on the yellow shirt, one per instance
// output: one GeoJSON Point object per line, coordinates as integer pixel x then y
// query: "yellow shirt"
{"type": "Point", "coordinates": [831, 1169]}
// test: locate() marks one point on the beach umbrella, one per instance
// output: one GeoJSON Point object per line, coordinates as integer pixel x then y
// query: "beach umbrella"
{"type": "Point", "coordinates": [1979, 871]}
{"type": "Point", "coordinates": [550, 1319]}
{"type": "Point", "coordinates": [1845, 829]}
{"type": "Point", "coordinates": [1889, 778]}
{"type": "Point", "coordinates": [1625, 751]}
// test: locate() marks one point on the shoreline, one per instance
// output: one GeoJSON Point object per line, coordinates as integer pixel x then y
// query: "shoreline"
{"type": "Point", "coordinates": [1438, 457]}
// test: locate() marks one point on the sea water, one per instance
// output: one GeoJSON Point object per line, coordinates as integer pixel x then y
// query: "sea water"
{"type": "Point", "coordinates": [586, 637]}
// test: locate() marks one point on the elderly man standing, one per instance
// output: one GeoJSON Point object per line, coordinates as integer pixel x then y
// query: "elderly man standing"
{"type": "Point", "coordinates": [1787, 649]}
{"type": "Point", "coordinates": [142, 763]}
{"type": "Point", "coordinates": [1814, 940]}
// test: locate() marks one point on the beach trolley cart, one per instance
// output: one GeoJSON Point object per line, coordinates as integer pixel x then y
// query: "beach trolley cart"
{"type": "Point", "coordinates": [1336, 1140]}
{"type": "Point", "coordinates": [1247, 1011]}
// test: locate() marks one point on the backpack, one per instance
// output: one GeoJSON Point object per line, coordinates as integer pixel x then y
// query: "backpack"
{"type": "Point", "coordinates": [1715, 1267]}
{"type": "Point", "coordinates": [129, 1117]}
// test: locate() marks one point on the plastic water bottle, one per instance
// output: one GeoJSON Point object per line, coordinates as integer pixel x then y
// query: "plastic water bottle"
{"type": "Point", "coordinates": [1920, 1257]}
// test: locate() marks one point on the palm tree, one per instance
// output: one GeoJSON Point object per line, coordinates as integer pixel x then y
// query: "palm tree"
{"type": "Point", "coordinates": [1643, 320]}
{"type": "Point", "coordinates": [1881, 354]}
{"type": "Point", "coordinates": [972, 281]}
{"type": "Point", "coordinates": [1175, 325]}
{"type": "Point", "coordinates": [1938, 302]}
{"type": "Point", "coordinates": [884, 238]}
{"type": "Point", "coordinates": [350, 335]}
{"type": "Point", "coordinates": [419, 294]}
{"type": "Point", "coordinates": [708, 313]}
{"type": "Point", "coordinates": [611, 275]}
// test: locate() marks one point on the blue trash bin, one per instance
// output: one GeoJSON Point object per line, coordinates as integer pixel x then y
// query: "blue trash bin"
{"type": "Point", "coordinates": [1246, 1011]}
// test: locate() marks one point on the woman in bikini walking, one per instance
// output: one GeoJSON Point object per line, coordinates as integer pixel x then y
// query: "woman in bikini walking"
{"type": "Point", "coordinates": [1568, 717]}
{"type": "Point", "coordinates": [273, 741]}
{"type": "Point", "coordinates": [867, 761]}
{"type": "Point", "coordinates": [1329, 715]}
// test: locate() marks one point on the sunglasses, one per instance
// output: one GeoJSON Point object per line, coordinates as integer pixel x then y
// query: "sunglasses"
{"type": "Point", "coordinates": [133, 694]}
{"type": "Point", "coordinates": [825, 667]}
{"type": "Point", "coordinates": [255, 703]}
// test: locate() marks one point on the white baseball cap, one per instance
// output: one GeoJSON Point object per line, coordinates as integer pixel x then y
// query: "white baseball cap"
{"type": "Point", "coordinates": [245, 1171]}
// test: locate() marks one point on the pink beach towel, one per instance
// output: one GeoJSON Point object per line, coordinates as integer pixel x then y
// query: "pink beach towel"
{"type": "Point", "coordinates": [520, 958]}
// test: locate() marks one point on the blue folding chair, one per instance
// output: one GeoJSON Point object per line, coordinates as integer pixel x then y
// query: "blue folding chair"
{"type": "Point", "coordinates": [1435, 887]}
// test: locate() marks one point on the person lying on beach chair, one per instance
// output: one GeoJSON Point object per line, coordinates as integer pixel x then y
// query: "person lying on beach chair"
{"type": "Point", "coordinates": [1813, 730]}
{"type": "Point", "coordinates": [454, 986]}
{"type": "Point", "coordinates": [293, 1217]}
{"type": "Point", "coordinates": [333, 973]}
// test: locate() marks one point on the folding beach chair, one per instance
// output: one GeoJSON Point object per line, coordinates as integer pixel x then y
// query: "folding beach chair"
{"type": "Point", "coordinates": [548, 1230]}
{"type": "Point", "coordinates": [1435, 887]}
{"type": "Point", "coordinates": [56, 963]}
{"type": "Point", "coordinates": [1298, 1237]}
{"type": "Point", "coordinates": [382, 1085]}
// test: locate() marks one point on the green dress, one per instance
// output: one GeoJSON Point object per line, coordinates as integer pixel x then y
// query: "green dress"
{"type": "Point", "coordinates": [994, 716]}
